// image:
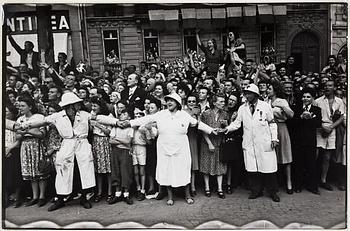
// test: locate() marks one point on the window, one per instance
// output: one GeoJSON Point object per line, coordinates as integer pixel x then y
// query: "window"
{"type": "Point", "coordinates": [190, 41]}
{"type": "Point", "coordinates": [151, 45]}
{"type": "Point", "coordinates": [267, 33]}
{"type": "Point", "coordinates": [111, 46]}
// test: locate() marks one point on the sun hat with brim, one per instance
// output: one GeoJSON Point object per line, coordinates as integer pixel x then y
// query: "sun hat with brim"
{"type": "Point", "coordinates": [174, 96]}
{"type": "Point", "coordinates": [69, 98]}
{"type": "Point", "coordinates": [252, 88]}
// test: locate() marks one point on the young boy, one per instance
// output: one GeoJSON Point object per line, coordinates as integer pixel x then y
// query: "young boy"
{"type": "Point", "coordinates": [307, 118]}
{"type": "Point", "coordinates": [121, 160]}
{"type": "Point", "coordinates": [139, 156]}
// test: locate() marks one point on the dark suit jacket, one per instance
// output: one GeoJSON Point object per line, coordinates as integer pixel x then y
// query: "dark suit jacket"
{"type": "Point", "coordinates": [66, 70]}
{"type": "Point", "coordinates": [305, 129]}
{"type": "Point", "coordinates": [137, 99]}
{"type": "Point", "coordinates": [23, 55]}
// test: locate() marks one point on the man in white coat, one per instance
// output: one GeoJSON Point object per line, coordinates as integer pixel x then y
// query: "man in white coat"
{"type": "Point", "coordinates": [73, 125]}
{"type": "Point", "coordinates": [259, 142]}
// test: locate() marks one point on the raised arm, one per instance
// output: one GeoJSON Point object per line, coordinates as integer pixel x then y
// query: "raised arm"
{"type": "Point", "coordinates": [199, 42]}
{"type": "Point", "coordinates": [143, 120]}
{"type": "Point", "coordinates": [15, 44]}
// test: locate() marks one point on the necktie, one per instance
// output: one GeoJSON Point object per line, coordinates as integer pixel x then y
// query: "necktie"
{"type": "Point", "coordinates": [252, 108]}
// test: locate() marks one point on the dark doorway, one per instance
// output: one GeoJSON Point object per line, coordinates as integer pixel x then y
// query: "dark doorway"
{"type": "Point", "coordinates": [306, 50]}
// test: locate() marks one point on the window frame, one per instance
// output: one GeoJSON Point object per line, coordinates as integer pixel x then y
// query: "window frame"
{"type": "Point", "coordinates": [184, 39]}
{"type": "Point", "coordinates": [144, 43]}
{"type": "Point", "coordinates": [103, 43]}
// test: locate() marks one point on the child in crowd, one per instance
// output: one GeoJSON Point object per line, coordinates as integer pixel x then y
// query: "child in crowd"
{"type": "Point", "coordinates": [121, 160]}
{"type": "Point", "coordinates": [101, 148]}
{"type": "Point", "coordinates": [139, 156]}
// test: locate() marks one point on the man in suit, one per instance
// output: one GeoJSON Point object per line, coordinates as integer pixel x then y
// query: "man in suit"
{"type": "Point", "coordinates": [28, 56]}
{"type": "Point", "coordinates": [134, 94]}
{"type": "Point", "coordinates": [62, 67]}
{"type": "Point", "coordinates": [306, 120]}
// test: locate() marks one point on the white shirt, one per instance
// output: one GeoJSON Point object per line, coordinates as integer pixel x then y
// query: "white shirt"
{"type": "Point", "coordinates": [132, 91]}
{"type": "Point", "coordinates": [29, 60]}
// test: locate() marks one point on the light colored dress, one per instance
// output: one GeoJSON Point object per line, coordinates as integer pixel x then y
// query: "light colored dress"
{"type": "Point", "coordinates": [173, 149]}
{"type": "Point", "coordinates": [284, 150]}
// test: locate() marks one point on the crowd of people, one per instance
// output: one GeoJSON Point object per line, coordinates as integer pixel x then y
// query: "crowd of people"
{"type": "Point", "coordinates": [141, 132]}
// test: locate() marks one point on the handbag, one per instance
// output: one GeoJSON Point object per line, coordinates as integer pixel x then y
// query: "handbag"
{"type": "Point", "coordinates": [46, 165]}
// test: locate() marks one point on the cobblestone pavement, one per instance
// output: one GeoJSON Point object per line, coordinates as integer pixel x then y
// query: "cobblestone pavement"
{"type": "Point", "coordinates": [327, 211]}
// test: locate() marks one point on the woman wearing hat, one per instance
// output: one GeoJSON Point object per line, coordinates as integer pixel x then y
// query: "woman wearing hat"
{"type": "Point", "coordinates": [72, 125]}
{"type": "Point", "coordinates": [173, 150]}
{"type": "Point", "coordinates": [259, 142]}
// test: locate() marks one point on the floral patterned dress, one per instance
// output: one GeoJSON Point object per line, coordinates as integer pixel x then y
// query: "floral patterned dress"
{"type": "Point", "coordinates": [209, 162]}
{"type": "Point", "coordinates": [101, 150]}
{"type": "Point", "coordinates": [32, 150]}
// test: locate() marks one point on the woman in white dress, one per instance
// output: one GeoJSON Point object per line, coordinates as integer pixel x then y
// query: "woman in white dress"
{"type": "Point", "coordinates": [173, 150]}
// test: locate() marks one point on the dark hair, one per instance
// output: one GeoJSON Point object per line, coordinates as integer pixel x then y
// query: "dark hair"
{"type": "Point", "coordinates": [191, 95]}
{"type": "Point", "coordinates": [332, 56]}
{"type": "Point", "coordinates": [130, 111]}
{"type": "Point", "coordinates": [157, 102]}
{"type": "Point", "coordinates": [63, 54]}
{"type": "Point", "coordinates": [165, 90]}
{"type": "Point", "coordinates": [278, 89]}
{"type": "Point", "coordinates": [30, 43]}
{"type": "Point", "coordinates": [311, 91]}
{"type": "Point", "coordinates": [104, 95]}
{"type": "Point", "coordinates": [214, 43]}
{"type": "Point", "coordinates": [239, 100]}
{"type": "Point", "coordinates": [26, 97]}
{"type": "Point", "coordinates": [218, 95]}
{"type": "Point", "coordinates": [103, 106]}
{"type": "Point", "coordinates": [124, 102]}
{"type": "Point", "coordinates": [54, 106]}
{"type": "Point", "coordinates": [183, 87]}
{"type": "Point", "coordinates": [11, 91]}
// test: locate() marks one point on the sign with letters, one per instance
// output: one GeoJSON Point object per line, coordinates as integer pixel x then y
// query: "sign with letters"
{"type": "Point", "coordinates": [26, 22]}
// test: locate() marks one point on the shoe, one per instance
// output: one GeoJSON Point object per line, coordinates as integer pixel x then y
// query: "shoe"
{"type": "Point", "coordinates": [193, 193]}
{"type": "Point", "coordinates": [151, 192]}
{"type": "Point", "coordinates": [297, 190]}
{"type": "Point", "coordinates": [31, 202]}
{"type": "Point", "coordinates": [326, 186]}
{"type": "Point", "coordinates": [68, 198]}
{"type": "Point", "coordinates": [128, 200]}
{"type": "Point", "coordinates": [275, 198]}
{"type": "Point", "coordinates": [207, 193]}
{"type": "Point", "coordinates": [142, 196]}
{"type": "Point", "coordinates": [109, 198]}
{"type": "Point", "coordinates": [115, 200]}
{"type": "Point", "coordinates": [53, 200]}
{"type": "Point", "coordinates": [229, 189]}
{"type": "Point", "coordinates": [160, 196]}
{"type": "Point", "coordinates": [58, 204]}
{"type": "Point", "coordinates": [170, 202]}
{"type": "Point", "coordinates": [85, 203]}
{"type": "Point", "coordinates": [42, 202]}
{"type": "Point", "coordinates": [17, 203]}
{"type": "Point", "coordinates": [255, 195]}
{"type": "Point", "coordinates": [97, 198]}
{"type": "Point", "coordinates": [341, 187]}
{"type": "Point", "coordinates": [221, 195]}
{"type": "Point", "coordinates": [189, 200]}
{"type": "Point", "coordinates": [289, 191]}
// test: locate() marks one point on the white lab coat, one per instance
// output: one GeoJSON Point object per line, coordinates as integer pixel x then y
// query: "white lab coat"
{"type": "Point", "coordinates": [74, 143]}
{"type": "Point", "coordinates": [259, 130]}
{"type": "Point", "coordinates": [173, 150]}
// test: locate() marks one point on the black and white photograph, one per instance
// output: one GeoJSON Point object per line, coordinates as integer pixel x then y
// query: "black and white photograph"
{"type": "Point", "coordinates": [174, 115]}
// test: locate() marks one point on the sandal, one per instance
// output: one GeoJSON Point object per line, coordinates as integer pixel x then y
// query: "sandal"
{"type": "Point", "coordinates": [189, 200]}
{"type": "Point", "coordinates": [207, 193]}
{"type": "Point", "coordinates": [170, 202]}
